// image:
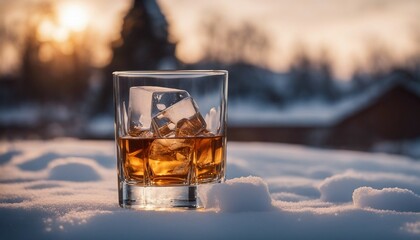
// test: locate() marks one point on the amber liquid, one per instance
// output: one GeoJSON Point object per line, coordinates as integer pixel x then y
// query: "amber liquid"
{"type": "Point", "coordinates": [172, 161]}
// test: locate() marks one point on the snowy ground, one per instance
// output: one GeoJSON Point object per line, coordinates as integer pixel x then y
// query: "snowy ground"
{"type": "Point", "coordinates": [67, 189]}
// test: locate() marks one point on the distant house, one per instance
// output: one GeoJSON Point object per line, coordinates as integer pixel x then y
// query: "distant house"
{"type": "Point", "coordinates": [392, 115]}
{"type": "Point", "coordinates": [386, 112]}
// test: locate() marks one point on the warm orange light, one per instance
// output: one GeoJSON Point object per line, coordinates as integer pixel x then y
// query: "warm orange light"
{"type": "Point", "coordinates": [45, 30]}
{"type": "Point", "coordinates": [73, 16]}
{"type": "Point", "coordinates": [55, 33]}
{"type": "Point", "coordinates": [48, 31]}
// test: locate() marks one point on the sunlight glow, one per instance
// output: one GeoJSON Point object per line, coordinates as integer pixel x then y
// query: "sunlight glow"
{"type": "Point", "coordinates": [73, 16]}
{"type": "Point", "coordinates": [55, 33]}
{"type": "Point", "coordinates": [48, 31]}
{"type": "Point", "coordinates": [45, 30]}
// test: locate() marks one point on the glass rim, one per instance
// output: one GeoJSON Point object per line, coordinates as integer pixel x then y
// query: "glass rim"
{"type": "Point", "coordinates": [136, 73]}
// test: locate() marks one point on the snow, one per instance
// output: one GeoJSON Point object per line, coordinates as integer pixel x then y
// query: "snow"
{"type": "Point", "coordinates": [397, 199]}
{"type": "Point", "coordinates": [245, 194]}
{"type": "Point", "coordinates": [339, 188]}
{"type": "Point", "coordinates": [66, 188]}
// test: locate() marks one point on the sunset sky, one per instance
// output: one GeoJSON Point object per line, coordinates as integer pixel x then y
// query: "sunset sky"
{"type": "Point", "coordinates": [346, 29]}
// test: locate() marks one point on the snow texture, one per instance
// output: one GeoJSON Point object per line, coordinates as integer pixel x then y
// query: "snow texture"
{"type": "Point", "coordinates": [243, 194]}
{"type": "Point", "coordinates": [66, 189]}
{"type": "Point", "coordinates": [397, 199]}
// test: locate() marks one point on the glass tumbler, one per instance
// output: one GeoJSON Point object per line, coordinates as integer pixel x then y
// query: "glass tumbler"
{"type": "Point", "coordinates": [170, 135]}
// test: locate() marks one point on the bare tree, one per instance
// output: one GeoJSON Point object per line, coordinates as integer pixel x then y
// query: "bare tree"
{"type": "Point", "coordinates": [301, 72]}
{"type": "Point", "coordinates": [380, 58]}
{"type": "Point", "coordinates": [325, 77]}
{"type": "Point", "coordinates": [233, 44]}
{"type": "Point", "coordinates": [312, 76]}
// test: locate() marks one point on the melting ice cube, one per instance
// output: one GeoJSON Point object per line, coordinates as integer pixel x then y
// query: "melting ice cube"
{"type": "Point", "coordinates": [179, 120]}
{"type": "Point", "coordinates": [147, 101]}
{"type": "Point", "coordinates": [170, 160]}
{"type": "Point", "coordinates": [163, 112]}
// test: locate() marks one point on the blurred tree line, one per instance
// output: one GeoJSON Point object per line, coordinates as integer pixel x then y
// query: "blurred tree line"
{"type": "Point", "coordinates": [243, 49]}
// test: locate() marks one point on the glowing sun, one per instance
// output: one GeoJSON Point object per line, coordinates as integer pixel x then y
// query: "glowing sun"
{"type": "Point", "coordinates": [73, 16]}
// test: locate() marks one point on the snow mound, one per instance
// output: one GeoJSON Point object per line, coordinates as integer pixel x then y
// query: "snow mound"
{"type": "Point", "coordinates": [340, 187]}
{"type": "Point", "coordinates": [397, 199]}
{"type": "Point", "coordinates": [74, 169]}
{"type": "Point", "coordinates": [245, 194]}
{"type": "Point", "coordinates": [412, 227]}
{"type": "Point", "coordinates": [40, 162]}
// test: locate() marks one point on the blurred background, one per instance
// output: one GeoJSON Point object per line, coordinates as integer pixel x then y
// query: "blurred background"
{"type": "Point", "coordinates": [330, 74]}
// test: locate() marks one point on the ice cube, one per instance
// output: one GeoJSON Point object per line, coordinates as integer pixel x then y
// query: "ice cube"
{"type": "Point", "coordinates": [147, 101]}
{"type": "Point", "coordinates": [212, 120]}
{"type": "Point", "coordinates": [141, 133]}
{"type": "Point", "coordinates": [170, 161]}
{"type": "Point", "coordinates": [191, 126]}
{"type": "Point", "coordinates": [182, 119]}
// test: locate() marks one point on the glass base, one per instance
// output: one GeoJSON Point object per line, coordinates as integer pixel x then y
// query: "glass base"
{"type": "Point", "coordinates": [140, 197]}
